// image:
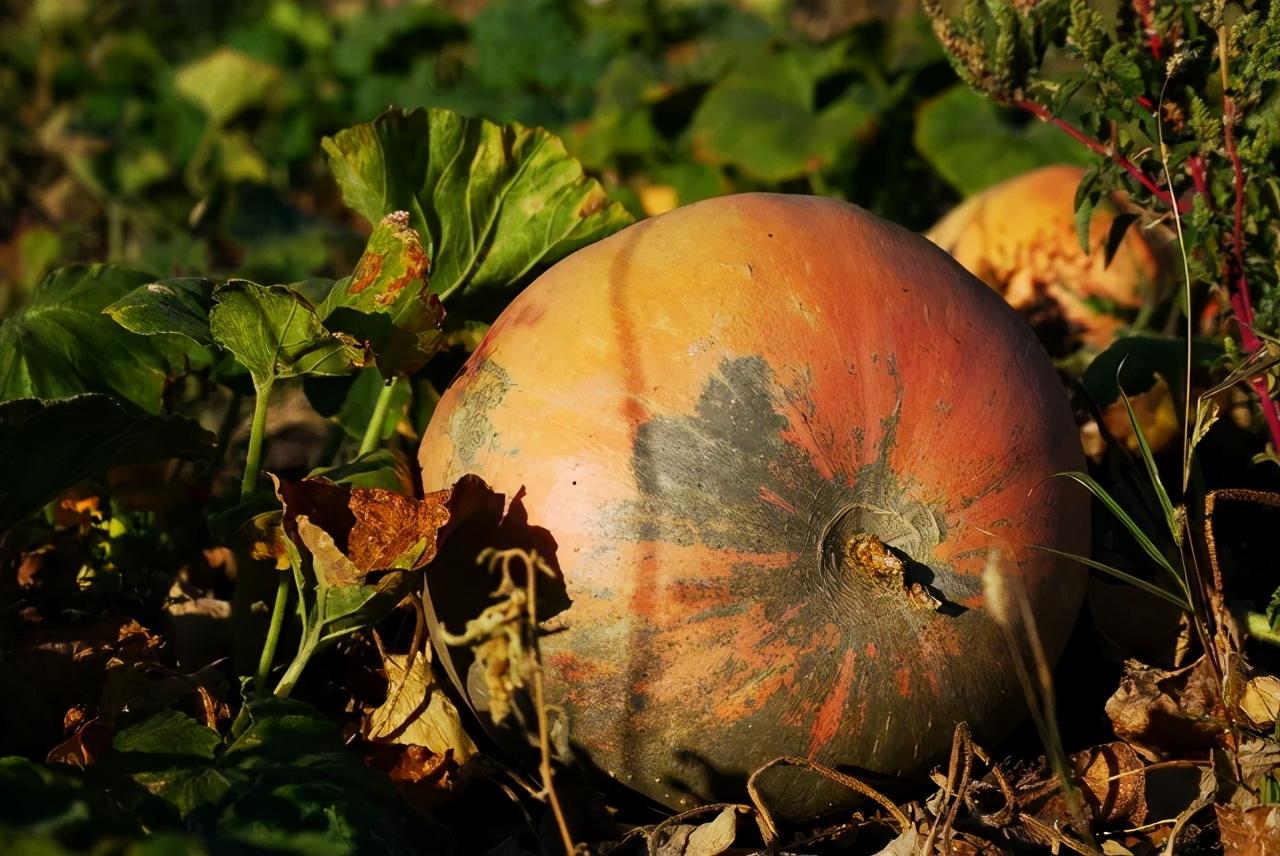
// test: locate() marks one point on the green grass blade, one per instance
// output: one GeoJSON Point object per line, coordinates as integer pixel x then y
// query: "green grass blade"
{"type": "Point", "coordinates": [1119, 513]}
{"type": "Point", "coordinates": [1149, 459]}
{"type": "Point", "coordinates": [1137, 582]}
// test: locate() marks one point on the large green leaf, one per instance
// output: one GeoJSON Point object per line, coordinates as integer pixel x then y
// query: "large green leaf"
{"type": "Point", "coordinates": [47, 447]}
{"type": "Point", "coordinates": [973, 145]}
{"type": "Point", "coordinates": [61, 344]}
{"type": "Point", "coordinates": [492, 202]}
{"type": "Point", "coordinates": [275, 333]}
{"type": "Point", "coordinates": [762, 117]}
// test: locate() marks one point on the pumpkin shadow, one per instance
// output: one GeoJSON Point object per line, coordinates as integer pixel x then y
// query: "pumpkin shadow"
{"type": "Point", "coordinates": [459, 587]}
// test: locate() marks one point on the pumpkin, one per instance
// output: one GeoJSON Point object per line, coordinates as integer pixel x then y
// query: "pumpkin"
{"type": "Point", "coordinates": [774, 439]}
{"type": "Point", "coordinates": [1020, 238]}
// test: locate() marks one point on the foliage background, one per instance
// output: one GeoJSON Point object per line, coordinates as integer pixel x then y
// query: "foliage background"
{"type": "Point", "coordinates": [181, 137]}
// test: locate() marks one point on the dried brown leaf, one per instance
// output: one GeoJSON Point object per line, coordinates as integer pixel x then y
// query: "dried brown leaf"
{"type": "Point", "coordinates": [90, 741]}
{"type": "Point", "coordinates": [704, 839]}
{"type": "Point", "coordinates": [1249, 831]}
{"type": "Point", "coordinates": [417, 712]}
{"type": "Point", "coordinates": [331, 566]}
{"type": "Point", "coordinates": [1162, 712]}
{"type": "Point", "coordinates": [1260, 699]}
{"type": "Point", "coordinates": [390, 528]}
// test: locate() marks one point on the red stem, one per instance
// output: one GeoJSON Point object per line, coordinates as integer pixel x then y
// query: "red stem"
{"type": "Point", "coordinates": [1195, 164]}
{"type": "Point", "coordinates": [1042, 113]}
{"type": "Point", "coordinates": [1148, 19]}
{"type": "Point", "coordinates": [1241, 302]}
{"type": "Point", "coordinates": [1240, 299]}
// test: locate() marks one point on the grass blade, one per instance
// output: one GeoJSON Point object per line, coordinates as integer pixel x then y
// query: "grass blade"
{"type": "Point", "coordinates": [1137, 582]}
{"type": "Point", "coordinates": [1149, 460]}
{"type": "Point", "coordinates": [1134, 529]}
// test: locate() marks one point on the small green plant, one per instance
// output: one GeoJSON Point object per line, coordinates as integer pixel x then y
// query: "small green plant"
{"type": "Point", "coordinates": [1177, 101]}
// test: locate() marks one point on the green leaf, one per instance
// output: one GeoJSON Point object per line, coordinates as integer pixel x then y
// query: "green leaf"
{"type": "Point", "coordinates": [493, 203]}
{"type": "Point", "coordinates": [311, 795]}
{"type": "Point", "coordinates": [1088, 195]}
{"type": "Point", "coordinates": [386, 302]}
{"type": "Point", "coordinates": [61, 344]}
{"type": "Point", "coordinates": [226, 82]}
{"type": "Point", "coordinates": [179, 306]}
{"type": "Point", "coordinates": [380, 468]}
{"type": "Point", "coordinates": [761, 118]}
{"type": "Point", "coordinates": [973, 145]}
{"type": "Point", "coordinates": [1122, 71]}
{"type": "Point", "coordinates": [351, 401]}
{"type": "Point", "coordinates": [1137, 582]}
{"type": "Point", "coordinates": [168, 734]}
{"type": "Point", "coordinates": [48, 447]}
{"type": "Point", "coordinates": [274, 333]}
{"type": "Point", "coordinates": [1132, 362]}
{"type": "Point", "coordinates": [1153, 473]}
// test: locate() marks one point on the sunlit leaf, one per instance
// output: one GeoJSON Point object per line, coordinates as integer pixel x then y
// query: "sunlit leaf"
{"type": "Point", "coordinates": [179, 306]}
{"type": "Point", "coordinates": [226, 82]}
{"type": "Point", "coordinates": [386, 302]}
{"type": "Point", "coordinates": [1117, 511]}
{"type": "Point", "coordinates": [275, 333]}
{"type": "Point", "coordinates": [492, 203]}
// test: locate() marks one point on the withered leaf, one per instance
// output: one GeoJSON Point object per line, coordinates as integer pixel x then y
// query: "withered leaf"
{"type": "Point", "coordinates": [1249, 831]}
{"type": "Point", "coordinates": [332, 568]}
{"type": "Point", "coordinates": [363, 529]}
{"type": "Point", "coordinates": [394, 531]}
{"type": "Point", "coordinates": [1161, 711]}
{"type": "Point", "coordinates": [417, 712]}
{"type": "Point", "coordinates": [704, 839]}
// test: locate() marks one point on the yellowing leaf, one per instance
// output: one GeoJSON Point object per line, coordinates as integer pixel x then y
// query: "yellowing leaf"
{"type": "Point", "coordinates": [417, 712]}
{"type": "Point", "coordinates": [226, 82]}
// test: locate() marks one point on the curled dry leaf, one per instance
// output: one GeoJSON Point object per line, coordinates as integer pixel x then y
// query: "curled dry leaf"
{"type": "Point", "coordinates": [1111, 779]}
{"type": "Point", "coordinates": [417, 713]}
{"type": "Point", "coordinates": [1161, 711]}
{"type": "Point", "coordinates": [352, 532]}
{"type": "Point", "coordinates": [1249, 831]}
{"type": "Point", "coordinates": [697, 839]}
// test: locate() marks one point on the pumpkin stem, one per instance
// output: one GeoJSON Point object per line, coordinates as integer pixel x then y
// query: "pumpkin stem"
{"type": "Point", "coordinates": [867, 556]}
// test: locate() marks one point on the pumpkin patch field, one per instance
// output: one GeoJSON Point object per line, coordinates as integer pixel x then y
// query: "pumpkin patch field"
{"type": "Point", "coordinates": [667, 427]}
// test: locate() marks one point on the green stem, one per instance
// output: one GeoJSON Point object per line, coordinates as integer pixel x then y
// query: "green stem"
{"type": "Point", "coordinates": [373, 431]}
{"type": "Point", "coordinates": [278, 610]}
{"type": "Point", "coordinates": [257, 433]}
{"type": "Point", "coordinates": [294, 672]}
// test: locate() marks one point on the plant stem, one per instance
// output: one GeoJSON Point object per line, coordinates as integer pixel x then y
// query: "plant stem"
{"type": "Point", "coordinates": [373, 431]}
{"type": "Point", "coordinates": [257, 433]}
{"type": "Point", "coordinates": [278, 610]}
{"type": "Point", "coordinates": [1042, 113]}
{"type": "Point", "coordinates": [1241, 302]}
{"type": "Point", "coordinates": [540, 705]}
{"type": "Point", "coordinates": [294, 672]}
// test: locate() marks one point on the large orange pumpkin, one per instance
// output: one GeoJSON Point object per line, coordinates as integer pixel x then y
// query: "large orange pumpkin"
{"type": "Point", "coordinates": [723, 415]}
